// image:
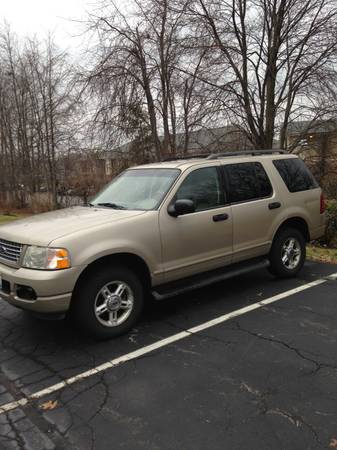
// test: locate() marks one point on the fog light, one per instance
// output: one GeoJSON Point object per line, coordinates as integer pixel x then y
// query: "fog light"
{"type": "Point", "coordinates": [25, 292]}
{"type": "Point", "coordinates": [6, 287]}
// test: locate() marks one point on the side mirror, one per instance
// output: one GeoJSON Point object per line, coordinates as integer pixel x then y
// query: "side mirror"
{"type": "Point", "coordinates": [181, 207]}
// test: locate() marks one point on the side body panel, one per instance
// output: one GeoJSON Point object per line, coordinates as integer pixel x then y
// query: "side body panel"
{"type": "Point", "coordinates": [303, 204]}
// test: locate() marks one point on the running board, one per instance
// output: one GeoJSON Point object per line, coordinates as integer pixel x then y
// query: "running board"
{"type": "Point", "coordinates": [179, 287]}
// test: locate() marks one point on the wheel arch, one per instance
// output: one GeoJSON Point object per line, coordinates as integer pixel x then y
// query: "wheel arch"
{"type": "Point", "coordinates": [129, 260]}
{"type": "Point", "coordinates": [295, 222]}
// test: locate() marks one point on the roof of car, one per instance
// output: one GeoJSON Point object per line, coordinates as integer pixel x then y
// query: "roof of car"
{"type": "Point", "coordinates": [236, 157]}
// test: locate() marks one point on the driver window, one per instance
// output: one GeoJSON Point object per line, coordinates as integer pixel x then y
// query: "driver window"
{"type": "Point", "coordinates": [203, 187]}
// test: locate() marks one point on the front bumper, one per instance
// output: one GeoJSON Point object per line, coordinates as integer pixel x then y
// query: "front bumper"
{"type": "Point", "coordinates": [53, 288]}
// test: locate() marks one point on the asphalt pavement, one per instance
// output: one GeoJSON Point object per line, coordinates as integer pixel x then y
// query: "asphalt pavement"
{"type": "Point", "coordinates": [262, 378]}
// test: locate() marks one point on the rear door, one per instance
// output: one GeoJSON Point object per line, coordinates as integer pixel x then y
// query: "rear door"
{"type": "Point", "coordinates": [254, 205]}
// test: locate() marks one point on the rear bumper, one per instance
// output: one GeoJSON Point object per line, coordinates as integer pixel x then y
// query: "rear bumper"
{"type": "Point", "coordinates": [53, 289]}
{"type": "Point", "coordinates": [317, 233]}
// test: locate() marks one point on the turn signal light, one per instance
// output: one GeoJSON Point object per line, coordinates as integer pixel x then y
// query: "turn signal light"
{"type": "Point", "coordinates": [58, 258]}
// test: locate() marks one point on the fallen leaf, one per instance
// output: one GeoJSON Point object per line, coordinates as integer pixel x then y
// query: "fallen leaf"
{"type": "Point", "coordinates": [48, 406]}
{"type": "Point", "coordinates": [333, 443]}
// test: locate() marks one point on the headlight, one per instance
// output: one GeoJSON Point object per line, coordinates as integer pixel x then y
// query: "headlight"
{"type": "Point", "coordinates": [45, 258]}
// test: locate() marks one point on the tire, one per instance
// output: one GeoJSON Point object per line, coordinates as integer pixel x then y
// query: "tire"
{"type": "Point", "coordinates": [287, 254]}
{"type": "Point", "coordinates": [108, 302]}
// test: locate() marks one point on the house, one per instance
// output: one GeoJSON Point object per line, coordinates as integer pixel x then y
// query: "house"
{"type": "Point", "coordinates": [313, 139]}
{"type": "Point", "coordinates": [202, 141]}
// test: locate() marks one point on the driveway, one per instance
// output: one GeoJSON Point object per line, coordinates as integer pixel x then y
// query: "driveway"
{"type": "Point", "coordinates": [250, 363]}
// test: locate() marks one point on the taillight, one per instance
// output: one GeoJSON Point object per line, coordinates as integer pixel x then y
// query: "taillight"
{"type": "Point", "coordinates": [322, 204]}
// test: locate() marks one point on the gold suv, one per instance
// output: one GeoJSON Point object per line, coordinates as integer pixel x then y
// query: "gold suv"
{"type": "Point", "coordinates": [162, 228]}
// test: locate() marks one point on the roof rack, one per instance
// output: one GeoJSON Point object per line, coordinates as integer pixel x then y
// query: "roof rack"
{"type": "Point", "coordinates": [200, 155]}
{"type": "Point", "coordinates": [226, 154]}
{"type": "Point", "coordinates": [245, 153]}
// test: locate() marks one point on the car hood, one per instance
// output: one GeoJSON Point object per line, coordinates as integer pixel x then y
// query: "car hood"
{"type": "Point", "coordinates": [42, 229]}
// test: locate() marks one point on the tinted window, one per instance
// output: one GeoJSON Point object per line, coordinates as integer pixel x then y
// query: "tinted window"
{"type": "Point", "coordinates": [247, 181]}
{"type": "Point", "coordinates": [295, 174]}
{"type": "Point", "coordinates": [203, 187]}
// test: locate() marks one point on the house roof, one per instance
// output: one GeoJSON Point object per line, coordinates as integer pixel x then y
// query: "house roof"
{"type": "Point", "coordinates": [309, 126]}
{"type": "Point", "coordinates": [204, 139]}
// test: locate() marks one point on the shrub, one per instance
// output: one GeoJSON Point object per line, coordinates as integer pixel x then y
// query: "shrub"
{"type": "Point", "coordinates": [331, 225]}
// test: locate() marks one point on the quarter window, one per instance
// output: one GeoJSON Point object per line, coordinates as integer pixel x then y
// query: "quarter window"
{"type": "Point", "coordinates": [203, 187]}
{"type": "Point", "coordinates": [247, 181]}
{"type": "Point", "coordinates": [295, 174]}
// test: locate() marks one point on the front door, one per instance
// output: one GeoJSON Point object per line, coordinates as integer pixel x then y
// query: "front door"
{"type": "Point", "coordinates": [201, 240]}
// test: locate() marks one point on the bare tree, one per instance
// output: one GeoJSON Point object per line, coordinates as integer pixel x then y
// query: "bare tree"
{"type": "Point", "coordinates": [37, 103]}
{"type": "Point", "coordinates": [146, 63]}
{"type": "Point", "coordinates": [276, 54]}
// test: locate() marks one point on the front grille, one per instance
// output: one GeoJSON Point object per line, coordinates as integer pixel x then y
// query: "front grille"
{"type": "Point", "coordinates": [10, 251]}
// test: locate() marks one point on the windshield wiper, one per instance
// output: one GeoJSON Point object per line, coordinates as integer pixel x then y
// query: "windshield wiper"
{"type": "Point", "coordinates": [111, 205]}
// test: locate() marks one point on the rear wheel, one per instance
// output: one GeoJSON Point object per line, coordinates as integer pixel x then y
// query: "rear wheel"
{"type": "Point", "coordinates": [287, 254]}
{"type": "Point", "coordinates": [108, 302]}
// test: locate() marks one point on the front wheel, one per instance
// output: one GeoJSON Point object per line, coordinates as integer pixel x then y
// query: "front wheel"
{"type": "Point", "coordinates": [108, 302]}
{"type": "Point", "coordinates": [287, 254]}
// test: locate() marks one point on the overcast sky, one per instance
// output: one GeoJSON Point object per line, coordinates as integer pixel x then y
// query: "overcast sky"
{"type": "Point", "coordinates": [40, 16]}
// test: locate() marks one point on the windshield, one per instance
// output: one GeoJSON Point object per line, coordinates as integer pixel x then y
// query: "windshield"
{"type": "Point", "coordinates": [137, 189]}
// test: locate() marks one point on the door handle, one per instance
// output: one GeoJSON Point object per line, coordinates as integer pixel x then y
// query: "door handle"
{"type": "Point", "coordinates": [274, 205]}
{"type": "Point", "coordinates": [219, 217]}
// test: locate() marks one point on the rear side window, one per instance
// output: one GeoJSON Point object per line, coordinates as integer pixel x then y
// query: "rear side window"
{"type": "Point", "coordinates": [247, 181]}
{"type": "Point", "coordinates": [295, 174]}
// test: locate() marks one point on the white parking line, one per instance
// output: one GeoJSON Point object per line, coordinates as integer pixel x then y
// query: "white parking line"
{"type": "Point", "coordinates": [159, 344]}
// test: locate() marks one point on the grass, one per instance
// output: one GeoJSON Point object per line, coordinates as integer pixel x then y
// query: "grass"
{"type": "Point", "coordinates": [322, 254]}
{"type": "Point", "coordinates": [4, 218]}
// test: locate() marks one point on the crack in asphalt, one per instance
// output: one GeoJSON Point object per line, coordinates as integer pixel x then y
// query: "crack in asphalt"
{"type": "Point", "coordinates": [295, 419]}
{"type": "Point", "coordinates": [11, 341]}
{"type": "Point", "coordinates": [318, 364]}
{"type": "Point", "coordinates": [12, 434]}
